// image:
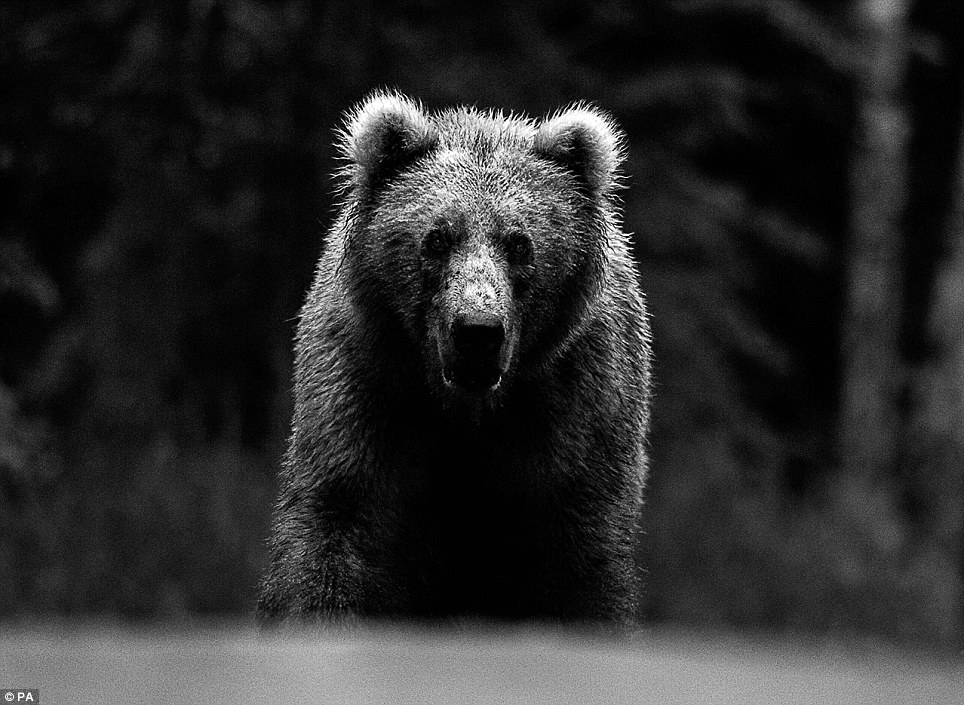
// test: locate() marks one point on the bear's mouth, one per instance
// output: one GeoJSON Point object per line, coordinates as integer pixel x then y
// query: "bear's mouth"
{"type": "Point", "coordinates": [472, 370]}
{"type": "Point", "coordinates": [471, 379]}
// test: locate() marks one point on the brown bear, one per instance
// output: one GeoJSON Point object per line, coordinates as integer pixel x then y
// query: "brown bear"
{"type": "Point", "coordinates": [472, 379]}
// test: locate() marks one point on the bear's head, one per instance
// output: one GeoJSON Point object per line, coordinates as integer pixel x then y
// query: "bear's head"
{"type": "Point", "coordinates": [485, 236]}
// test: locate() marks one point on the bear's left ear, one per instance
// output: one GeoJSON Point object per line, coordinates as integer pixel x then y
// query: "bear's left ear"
{"type": "Point", "coordinates": [587, 143]}
{"type": "Point", "coordinates": [382, 136]}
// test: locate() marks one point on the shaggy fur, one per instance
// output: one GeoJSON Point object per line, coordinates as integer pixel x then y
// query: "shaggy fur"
{"type": "Point", "coordinates": [472, 379]}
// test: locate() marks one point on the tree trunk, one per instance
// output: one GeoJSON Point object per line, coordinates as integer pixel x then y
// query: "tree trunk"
{"type": "Point", "coordinates": [871, 366]}
{"type": "Point", "coordinates": [939, 429]}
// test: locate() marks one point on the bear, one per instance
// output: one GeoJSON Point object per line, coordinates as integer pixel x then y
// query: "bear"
{"type": "Point", "coordinates": [472, 379]}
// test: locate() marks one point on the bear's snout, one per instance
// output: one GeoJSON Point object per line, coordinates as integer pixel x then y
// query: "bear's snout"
{"type": "Point", "coordinates": [477, 354]}
{"type": "Point", "coordinates": [480, 336]}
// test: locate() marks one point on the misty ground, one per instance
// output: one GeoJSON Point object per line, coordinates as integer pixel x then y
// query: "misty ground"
{"type": "Point", "coordinates": [113, 664]}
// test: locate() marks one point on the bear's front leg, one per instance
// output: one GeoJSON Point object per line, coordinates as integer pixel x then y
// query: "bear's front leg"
{"type": "Point", "coordinates": [588, 572]}
{"type": "Point", "coordinates": [321, 569]}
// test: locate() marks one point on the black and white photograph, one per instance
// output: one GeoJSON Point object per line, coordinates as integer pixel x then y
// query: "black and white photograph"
{"type": "Point", "coordinates": [551, 351]}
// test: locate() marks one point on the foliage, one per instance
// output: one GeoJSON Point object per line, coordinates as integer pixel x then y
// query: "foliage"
{"type": "Point", "coordinates": [164, 199]}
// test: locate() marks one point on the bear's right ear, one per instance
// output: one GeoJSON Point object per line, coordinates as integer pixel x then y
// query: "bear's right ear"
{"type": "Point", "coordinates": [585, 141]}
{"type": "Point", "coordinates": [382, 136]}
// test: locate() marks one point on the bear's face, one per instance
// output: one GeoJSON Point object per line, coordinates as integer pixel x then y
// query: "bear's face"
{"type": "Point", "coordinates": [484, 236]}
{"type": "Point", "coordinates": [469, 245]}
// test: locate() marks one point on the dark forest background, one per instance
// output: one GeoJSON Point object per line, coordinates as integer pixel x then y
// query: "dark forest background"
{"type": "Point", "coordinates": [796, 198]}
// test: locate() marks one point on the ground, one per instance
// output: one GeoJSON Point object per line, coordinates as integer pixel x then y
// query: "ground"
{"type": "Point", "coordinates": [112, 665]}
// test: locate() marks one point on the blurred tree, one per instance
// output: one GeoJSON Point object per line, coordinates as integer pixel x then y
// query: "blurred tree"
{"type": "Point", "coordinates": [937, 454]}
{"type": "Point", "coordinates": [872, 369]}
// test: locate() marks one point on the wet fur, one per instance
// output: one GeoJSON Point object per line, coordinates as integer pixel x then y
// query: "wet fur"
{"type": "Point", "coordinates": [402, 497]}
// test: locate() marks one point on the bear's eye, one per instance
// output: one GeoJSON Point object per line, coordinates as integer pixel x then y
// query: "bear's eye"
{"type": "Point", "coordinates": [436, 243]}
{"type": "Point", "coordinates": [519, 249]}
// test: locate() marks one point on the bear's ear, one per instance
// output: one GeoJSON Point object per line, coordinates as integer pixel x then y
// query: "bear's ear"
{"type": "Point", "coordinates": [587, 143]}
{"type": "Point", "coordinates": [382, 136]}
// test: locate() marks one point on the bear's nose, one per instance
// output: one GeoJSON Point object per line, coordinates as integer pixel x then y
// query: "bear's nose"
{"type": "Point", "coordinates": [478, 335]}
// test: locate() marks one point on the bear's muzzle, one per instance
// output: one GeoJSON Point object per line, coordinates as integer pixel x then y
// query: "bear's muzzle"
{"type": "Point", "coordinates": [477, 355]}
